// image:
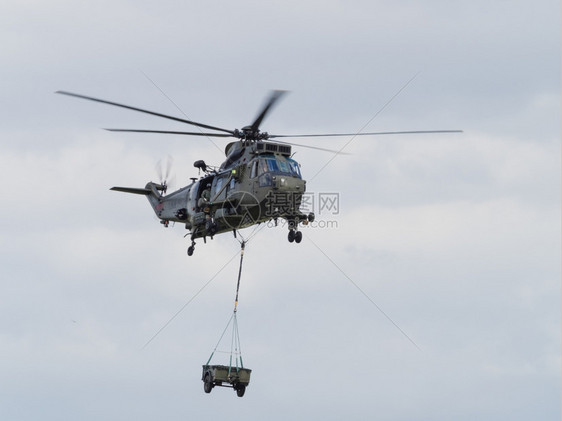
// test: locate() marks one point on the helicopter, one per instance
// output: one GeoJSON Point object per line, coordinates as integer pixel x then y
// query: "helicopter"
{"type": "Point", "coordinates": [259, 180]}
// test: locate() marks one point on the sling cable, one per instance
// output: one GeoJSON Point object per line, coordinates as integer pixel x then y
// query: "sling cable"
{"type": "Point", "coordinates": [233, 375]}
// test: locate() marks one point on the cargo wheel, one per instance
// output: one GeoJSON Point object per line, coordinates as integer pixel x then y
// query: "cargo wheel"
{"type": "Point", "coordinates": [240, 390]}
{"type": "Point", "coordinates": [208, 385]}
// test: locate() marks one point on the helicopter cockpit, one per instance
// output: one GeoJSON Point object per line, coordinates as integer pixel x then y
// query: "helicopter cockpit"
{"type": "Point", "coordinates": [267, 166]}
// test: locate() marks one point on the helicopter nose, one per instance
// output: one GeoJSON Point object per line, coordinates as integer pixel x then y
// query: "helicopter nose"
{"type": "Point", "coordinates": [289, 184]}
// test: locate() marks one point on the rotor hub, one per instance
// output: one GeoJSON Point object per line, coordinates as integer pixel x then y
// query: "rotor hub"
{"type": "Point", "coordinates": [249, 133]}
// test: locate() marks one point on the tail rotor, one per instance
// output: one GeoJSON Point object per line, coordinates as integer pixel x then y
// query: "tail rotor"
{"type": "Point", "coordinates": [163, 171]}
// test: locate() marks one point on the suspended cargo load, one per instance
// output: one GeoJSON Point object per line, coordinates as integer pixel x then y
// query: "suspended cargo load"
{"type": "Point", "coordinates": [222, 375]}
{"type": "Point", "coordinates": [234, 374]}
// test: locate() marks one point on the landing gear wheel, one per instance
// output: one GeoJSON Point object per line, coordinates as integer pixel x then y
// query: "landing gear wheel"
{"type": "Point", "coordinates": [311, 217]}
{"type": "Point", "coordinates": [298, 237]}
{"type": "Point", "coordinates": [291, 236]}
{"type": "Point", "coordinates": [240, 390]}
{"type": "Point", "coordinates": [191, 248]}
{"type": "Point", "coordinates": [208, 385]}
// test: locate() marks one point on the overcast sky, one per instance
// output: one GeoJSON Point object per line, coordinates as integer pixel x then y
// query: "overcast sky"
{"type": "Point", "coordinates": [432, 293]}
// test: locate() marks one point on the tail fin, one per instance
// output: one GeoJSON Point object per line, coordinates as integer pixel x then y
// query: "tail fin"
{"type": "Point", "coordinates": [152, 191]}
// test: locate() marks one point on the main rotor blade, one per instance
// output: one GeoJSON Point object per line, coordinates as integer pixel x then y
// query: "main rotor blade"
{"type": "Point", "coordinates": [171, 132]}
{"type": "Point", "coordinates": [272, 136]}
{"type": "Point", "coordinates": [273, 98]}
{"type": "Point", "coordinates": [193, 123]}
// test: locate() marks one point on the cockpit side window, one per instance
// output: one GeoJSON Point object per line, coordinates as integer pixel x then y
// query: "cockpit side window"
{"type": "Point", "coordinates": [254, 170]}
{"type": "Point", "coordinates": [263, 167]}
{"type": "Point", "coordinates": [294, 165]}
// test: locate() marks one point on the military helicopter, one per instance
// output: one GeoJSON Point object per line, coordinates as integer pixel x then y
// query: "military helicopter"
{"type": "Point", "coordinates": [258, 182]}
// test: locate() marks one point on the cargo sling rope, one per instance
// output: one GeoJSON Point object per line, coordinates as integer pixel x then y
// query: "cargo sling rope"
{"type": "Point", "coordinates": [256, 230]}
{"type": "Point", "coordinates": [235, 348]}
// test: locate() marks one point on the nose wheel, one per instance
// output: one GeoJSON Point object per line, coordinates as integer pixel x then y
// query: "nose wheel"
{"type": "Point", "coordinates": [294, 236]}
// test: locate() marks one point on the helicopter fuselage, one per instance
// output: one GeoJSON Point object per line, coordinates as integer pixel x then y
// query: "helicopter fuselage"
{"type": "Point", "coordinates": [257, 183]}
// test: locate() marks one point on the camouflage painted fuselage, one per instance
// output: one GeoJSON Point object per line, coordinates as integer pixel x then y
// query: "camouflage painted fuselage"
{"type": "Point", "coordinates": [258, 182]}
